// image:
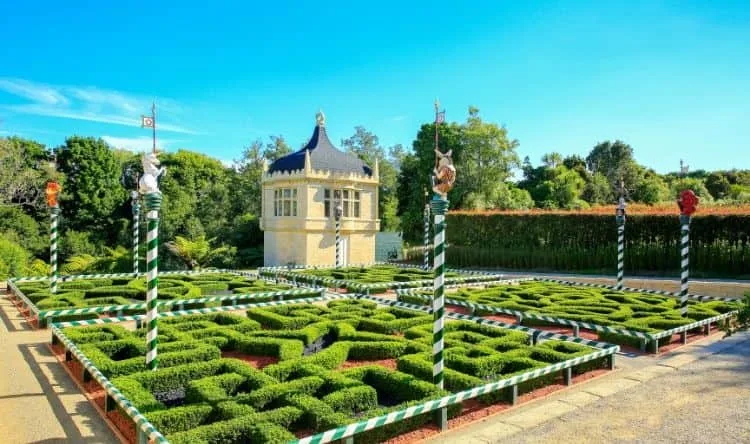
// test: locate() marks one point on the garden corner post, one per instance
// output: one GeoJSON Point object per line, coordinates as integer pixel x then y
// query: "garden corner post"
{"type": "Point", "coordinates": [620, 217]}
{"type": "Point", "coordinates": [426, 264]}
{"type": "Point", "coordinates": [687, 202]}
{"type": "Point", "coordinates": [443, 177]}
{"type": "Point", "coordinates": [52, 190]}
{"type": "Point", "coordinates": [149, 186]}
{"type": "Point", "coordinates": [136, 229]}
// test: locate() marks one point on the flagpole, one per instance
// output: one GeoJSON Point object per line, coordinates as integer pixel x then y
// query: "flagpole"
{"type": "Point", "coordinates": [153, 121]}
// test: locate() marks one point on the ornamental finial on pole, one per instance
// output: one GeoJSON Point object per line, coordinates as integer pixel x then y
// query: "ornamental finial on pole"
{"type": "Point", "coordinates": [148, 183]}
{"type": "Point", "coordinates": [688, 202]}
{"type": "Point", "coordinates": [52, 190]}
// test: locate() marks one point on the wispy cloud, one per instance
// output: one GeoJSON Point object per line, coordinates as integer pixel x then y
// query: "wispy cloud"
{"type": "Point", "coordinates": [398, 118]}
{"type": "Point", "coordinates": [137, 144]}
{"type": "Point", "coordinates": [88, 103]}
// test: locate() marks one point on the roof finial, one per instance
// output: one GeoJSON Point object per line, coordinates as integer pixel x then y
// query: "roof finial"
{"type": "Point", "coordinates": [320, 118]}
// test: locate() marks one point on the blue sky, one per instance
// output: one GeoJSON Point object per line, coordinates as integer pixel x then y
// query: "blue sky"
{"type": "Point", "coordinates": [670, 78]}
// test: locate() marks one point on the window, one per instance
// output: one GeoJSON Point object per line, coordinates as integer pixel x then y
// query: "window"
{"type": "Point", "coordinates": [285, 202]}
{"type": "Point", "coordinates": [350, 203]}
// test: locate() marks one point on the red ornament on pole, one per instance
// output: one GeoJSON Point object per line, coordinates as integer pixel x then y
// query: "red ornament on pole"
{"type": "Point", "coordinates": [688, 202]}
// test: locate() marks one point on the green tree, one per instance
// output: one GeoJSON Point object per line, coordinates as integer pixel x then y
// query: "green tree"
{"type": "Point", "coordinates": [25, 170]}
{"type": "Point", "coordinates": [718, 185]}
{"type": "Point", "coordinates": [367, 147]}
{"type": "Point", "coordinates": [197, 253]}
{"type": "Point", "coordinates": [552, 160]}
{"type": "Point", "coordinates": [651, 189]}
{"type": "Point", "coordinates": [92, 191]}
{"type": "Point", "coordinates": [487, 158]}
{"type": "Point", "coordinates": [615, 161]}
{"type": "Point", "coordinates": [689, 183]}
{"type": "Point", "coordinates": [597, 190]}
{"type": "Point", "coordinates": [415, 173]}
{"type": "Point", "coordinates": [276, 148]}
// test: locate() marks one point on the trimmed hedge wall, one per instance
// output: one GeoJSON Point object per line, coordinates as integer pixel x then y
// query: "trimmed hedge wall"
{"type": "Point", "coordinates": [720, 245]}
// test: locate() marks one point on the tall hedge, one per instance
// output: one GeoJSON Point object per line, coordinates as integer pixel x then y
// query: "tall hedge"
{"type": "Point", "coordinates": [720, 245]}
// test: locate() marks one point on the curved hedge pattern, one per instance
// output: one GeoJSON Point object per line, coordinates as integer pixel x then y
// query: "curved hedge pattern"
{"type": "Point", "coordinates": [196, 396]}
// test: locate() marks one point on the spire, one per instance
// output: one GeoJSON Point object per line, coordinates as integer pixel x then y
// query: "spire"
{"type": "Point", "coordinates": [320, 118]}
{"type": "Point", "coordinates": [308, 163]}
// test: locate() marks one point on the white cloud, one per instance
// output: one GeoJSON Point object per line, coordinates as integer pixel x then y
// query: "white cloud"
{"type": "Point", "coordinates": [137, 144]}
{"type": "Point", "coordinates": [398, 118]}
{"type": "Point", "coordinates": [36, 92]}
{"type": "Point", "coordinates": [88, 103]}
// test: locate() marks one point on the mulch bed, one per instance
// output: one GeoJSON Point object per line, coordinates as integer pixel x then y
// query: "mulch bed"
{"type": "Point", "coordinates": [390, 364]}
{"type": "Point", "coordinates": [258, 362]}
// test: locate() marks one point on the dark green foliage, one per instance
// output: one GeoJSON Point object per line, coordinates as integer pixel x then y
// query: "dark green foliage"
{"type": "Point", "coordinates": [197, 396]}
{"type": "Point", "coordinates": [720, 245]}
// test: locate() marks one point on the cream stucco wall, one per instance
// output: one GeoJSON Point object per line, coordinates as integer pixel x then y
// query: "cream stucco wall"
{"type": "Point", "coordinates": [309, 238]}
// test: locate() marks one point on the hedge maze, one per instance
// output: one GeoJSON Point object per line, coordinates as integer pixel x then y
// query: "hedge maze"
{"type": "Point", "coordinates": [90, 298]}
{"type": "Point", "coordinates": [373, 279]}
{"type": "Point", "coordinates": [284, 372]}
{"type": "Point", "coordinates": [612, 309]}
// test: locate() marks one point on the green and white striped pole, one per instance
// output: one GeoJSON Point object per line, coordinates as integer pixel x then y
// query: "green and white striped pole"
{"type": "Point", "coordinates": [426, 264]}
{"type": "Point", "coordinates": [153, 205]}
{"type": "Point", "coordinates": [54, 213]}
{"type": "Point", "coordinates": [620, 239]}
{"type": "Point", "coordinates": [688, 202]}
{"type": "Point", "coordinates": [684, 262]}
{"type": "Point", "coordinates": [136, 229]}
{"type": "Point", "coordinates": [442, 181]}
{"type": "Point", "coordinates": [339, 210]}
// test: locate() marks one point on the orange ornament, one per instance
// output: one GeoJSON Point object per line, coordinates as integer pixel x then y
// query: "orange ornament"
{"type": "Point", "coordinates": [52, 190]}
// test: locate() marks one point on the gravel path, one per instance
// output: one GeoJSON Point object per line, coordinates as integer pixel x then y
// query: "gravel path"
{"type": "Point", "coordinates": [705, 401]}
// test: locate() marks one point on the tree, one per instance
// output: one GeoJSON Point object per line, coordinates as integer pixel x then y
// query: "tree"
{"type": "Point", "coordinates": [597, 190]}
{"type": "Point", "coordinates": [276, 148]}
{"type": "Point", "coordinates": [718, 185]}
{"type": "Point", "coordinates": [552, 160]}
{"type": "Point", "coordinates": [416, 169]}
{"type": "Point", "coordinates": [689, 183]}
{"type": "Point", "coordinates": [651, 189]}
{"type": "Point", "coordinates": [487, 158]}
{"type": "Point", "coordinates": [615, 161]}
{"type": "Point", "coordinates": [366, 146]}
{"type": "Point", "coordinates": [27, 160]}
{"type": "Point", "coordinates": [114, 260]}
{"type": "Point", "coordinates": [92, 190]}
{"type": "Point", "coordinates": [196, 254]}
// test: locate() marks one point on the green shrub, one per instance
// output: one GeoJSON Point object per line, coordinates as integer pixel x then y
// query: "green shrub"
{"type": "Point", "coordinates": [179, 419]}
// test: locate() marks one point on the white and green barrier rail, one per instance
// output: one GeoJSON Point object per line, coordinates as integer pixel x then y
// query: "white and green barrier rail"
{"type": "Point", "coordinates": [148, 433]}
{"type": "Point", "coordinates": [73, 277]}
{"type": "Point", "coordinates": [104, 309]}
{"type": "Point", "coordinates": [671, 294]}
{"type": "Point", "coordinates": [644, 337]}
{"type": "Point", "coordinates": [194, 311]}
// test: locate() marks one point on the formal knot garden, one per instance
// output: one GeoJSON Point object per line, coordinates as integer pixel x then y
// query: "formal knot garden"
{"type": "Point", "coordinates": [346, 354]}
{"type": "Point", "coordinates": [630, 317]}
{"type": "Point", "coordinates": [94, 296]}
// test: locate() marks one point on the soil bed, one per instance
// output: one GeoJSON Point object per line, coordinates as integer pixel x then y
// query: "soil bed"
{"type": "Point", "coordinates": [390, 364]}
{"type": "Point", "coordinates": [258, 362]}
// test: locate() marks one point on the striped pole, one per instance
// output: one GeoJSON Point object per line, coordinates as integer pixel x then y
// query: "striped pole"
{"type": "Point", "coordinates": [685, 262]}
{"type": "Point", "coordinates": [54, 213]}
{"type": "Point", "coordinates": [620, 255]}
{"type": "Point", "coordinates": [153, 205]}
{"type": "Point", "coordinates": [439, 207]}
{"type": "Point", "coordinates": [339, 210]}
{"type": "Point", "coordinates": [136, 229]}
{"type": "Point", "coordinates": [426, 264]}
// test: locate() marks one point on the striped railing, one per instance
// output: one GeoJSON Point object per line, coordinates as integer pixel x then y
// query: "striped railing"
{"type": "Point", "coordinates": [145, 430]}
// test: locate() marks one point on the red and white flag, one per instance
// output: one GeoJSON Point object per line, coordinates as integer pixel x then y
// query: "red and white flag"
{"type": "Point", "coordinates": [147, 122]}
{"type": "Point", "coordinates": [440, 117]}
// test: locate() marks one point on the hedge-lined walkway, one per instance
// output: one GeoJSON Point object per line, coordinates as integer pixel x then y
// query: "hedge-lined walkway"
{"type": "Point", "coordinates": [38, 401]}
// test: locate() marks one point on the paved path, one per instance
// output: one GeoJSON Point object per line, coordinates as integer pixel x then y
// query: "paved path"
{"type": "Point", "coordinates": [39, 403]}
{"type": "Point", "coordinates": [698, 394]}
